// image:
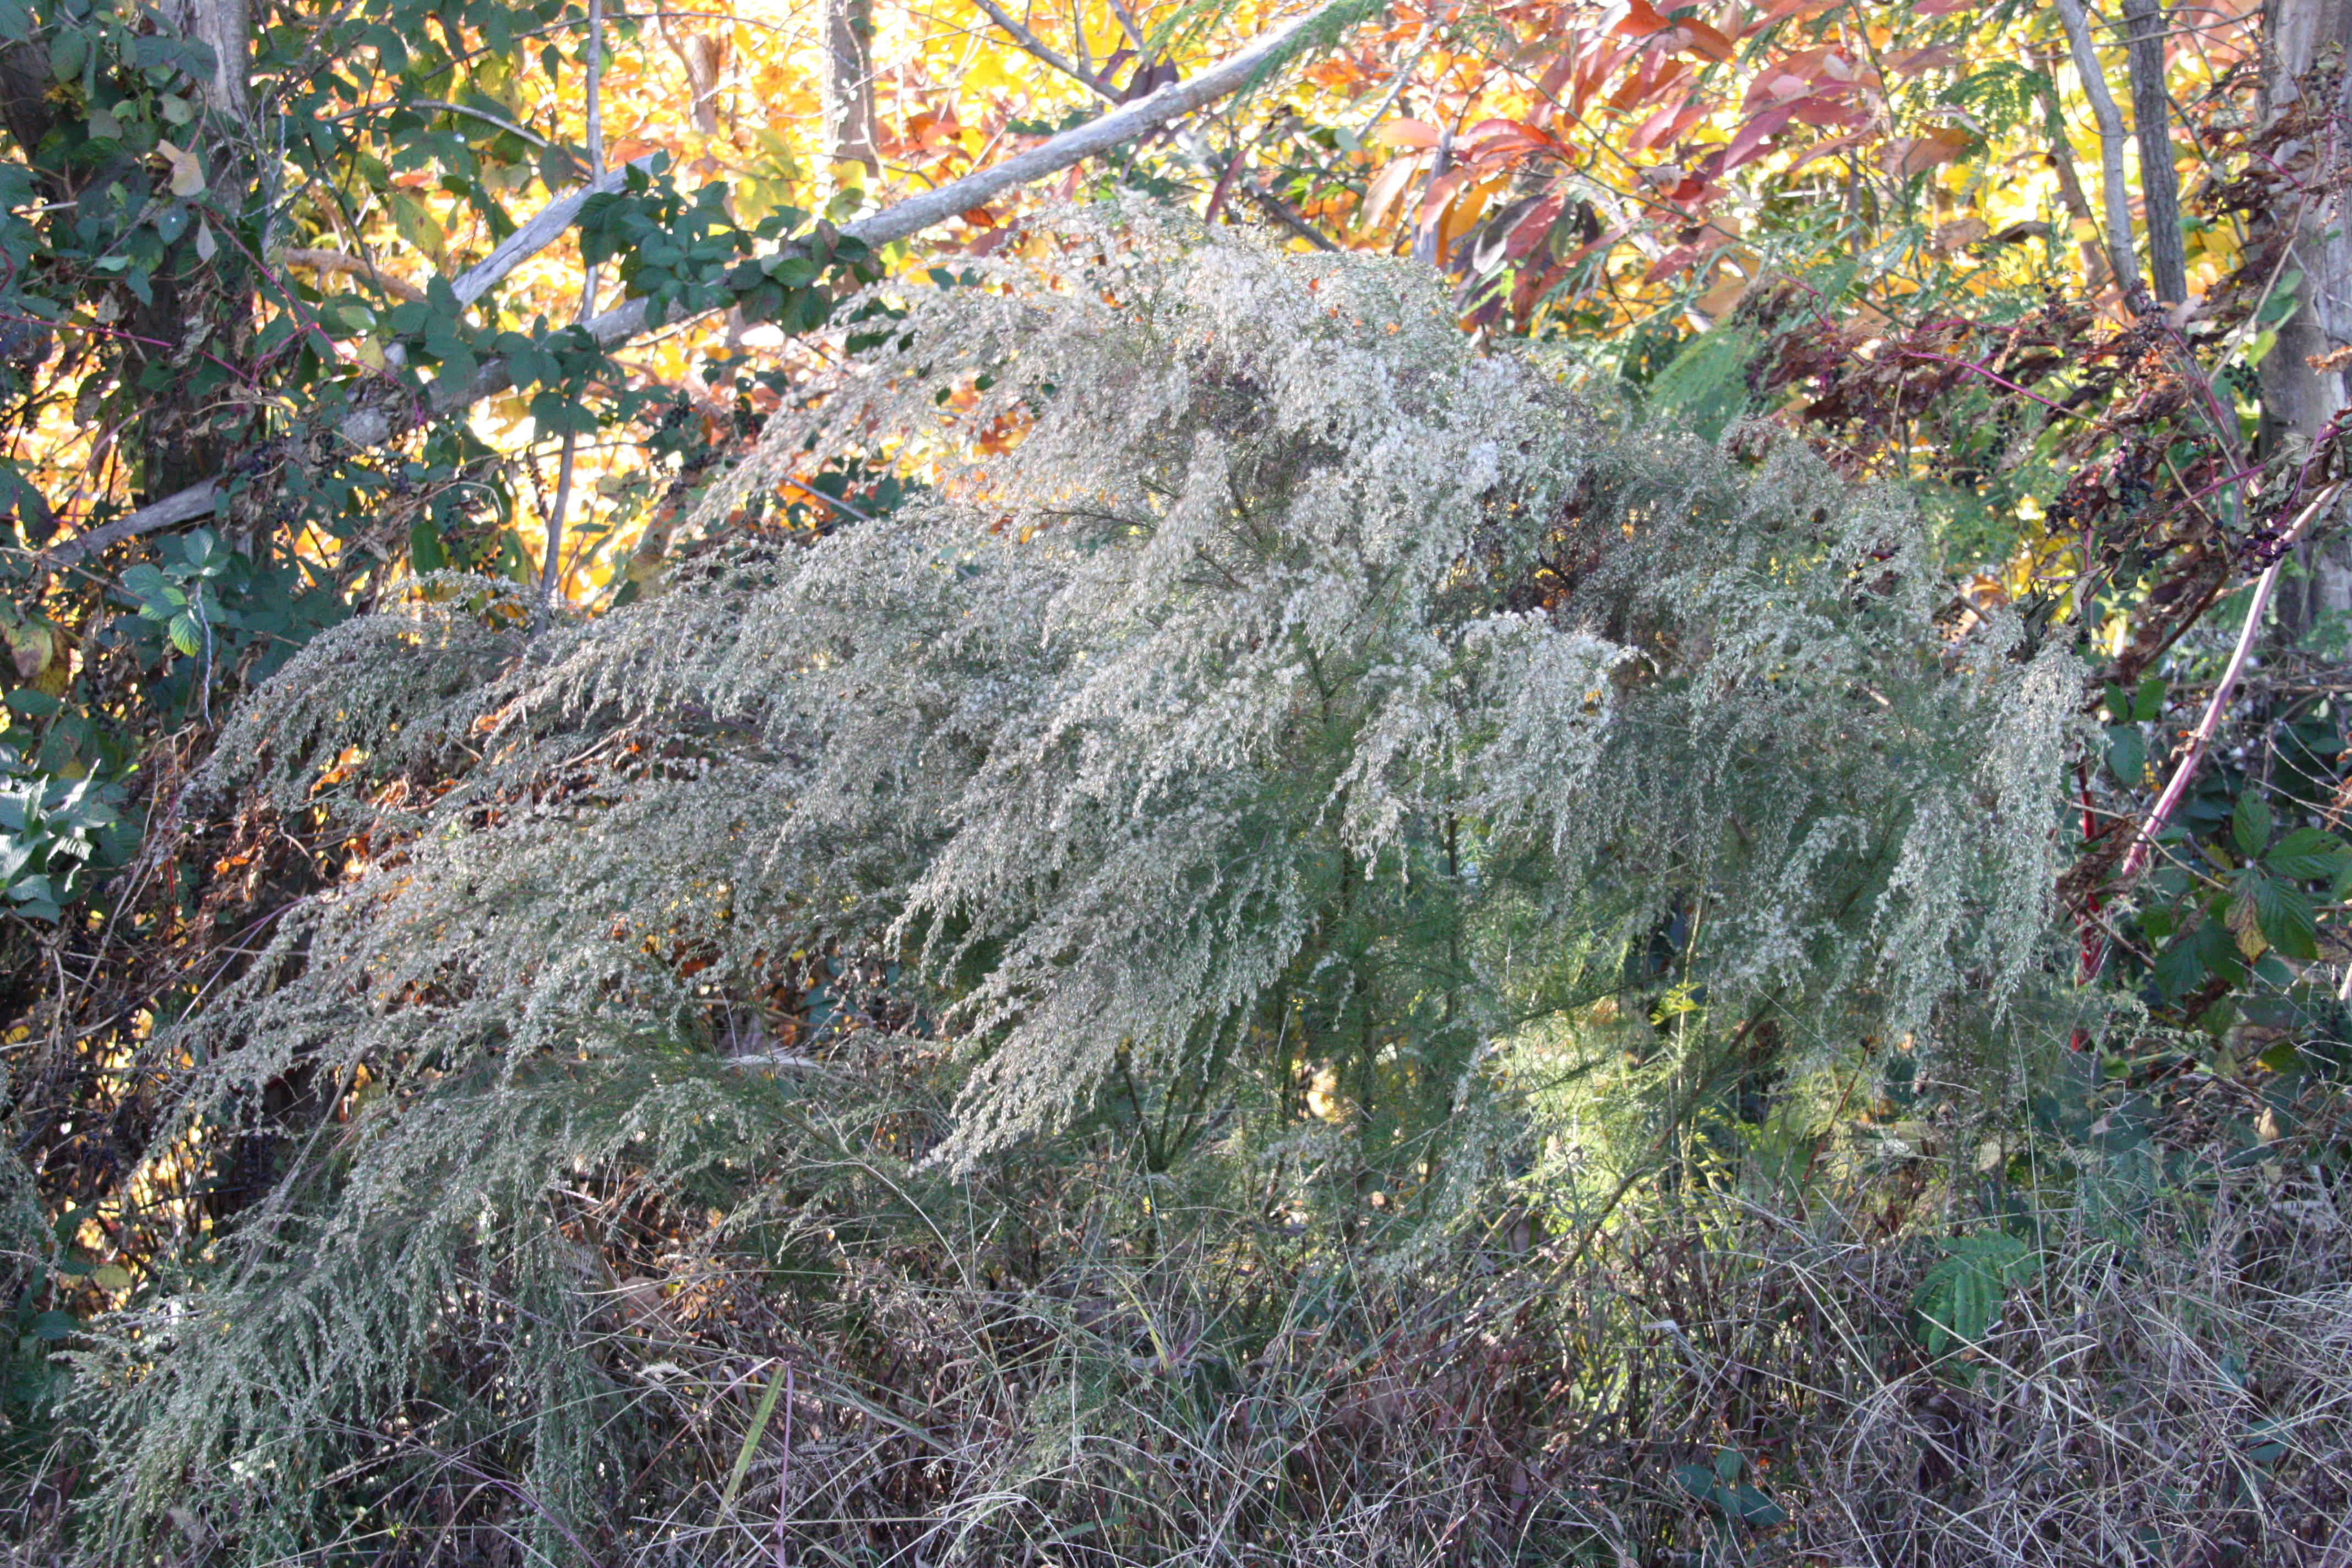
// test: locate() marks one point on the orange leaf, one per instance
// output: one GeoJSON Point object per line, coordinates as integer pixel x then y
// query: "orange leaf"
{"type": "Point", "coordinates": [1639, 21]}
{"type": "Point", "coordinates": [1407, 133]}
{"type": "Point", "coordinates": [1917, 155]}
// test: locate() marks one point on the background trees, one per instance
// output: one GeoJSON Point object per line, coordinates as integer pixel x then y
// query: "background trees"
{"type": "Point", "coordinates": [302, 307]}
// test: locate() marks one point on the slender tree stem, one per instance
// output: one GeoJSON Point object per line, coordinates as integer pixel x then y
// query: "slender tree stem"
{"type": "Point", "coordinates": [2114, 197]}
{"type": "Point", "coordinates": [550, 568]}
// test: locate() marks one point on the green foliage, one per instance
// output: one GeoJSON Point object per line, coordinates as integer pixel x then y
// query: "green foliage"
{"type": "Point", "coordinates": [57, 837]}
{"type": "Point", "coordinates": [1959, 1299]}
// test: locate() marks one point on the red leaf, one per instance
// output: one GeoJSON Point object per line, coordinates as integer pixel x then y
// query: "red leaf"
{"type": "Point", "coordinates": [1441, 191]}
{"type": "Point", "coordinates": [1667, 126]}
{"type": "Point", "coordinates": [1748, 145]}
{"type": "Point", "coordinates": [1700, 38]}
{"type": "Point", "coordinates": [1921, 60]}
{"type": "Point", "coordinates": [1493, 138]}
{"type": "Point", "coordinates": [1534, 226]}
{"type": "Point", "coordinates": [1678, 259]}
{"type": "Point", "coordinates": [1824, 112]}
{"type": "Point", "coordinates": [1824, 149]}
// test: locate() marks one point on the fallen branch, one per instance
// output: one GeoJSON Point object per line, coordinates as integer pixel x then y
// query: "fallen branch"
{"type": "Point", "coordinates": [374, 427]}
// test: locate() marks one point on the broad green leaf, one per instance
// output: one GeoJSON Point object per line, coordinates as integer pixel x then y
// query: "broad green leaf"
{"type": "Point", "coordinates": [2126, 754]}
{"type": "Point", "coordinates": [2307, 852]}
{"type": "Point", "coordinates": [427, 553]}
{"type": "Point", "coordinates": [2179, 970]}
{"type": "Point", "coordinates": [2285, 916]}
{"type": "Point", "coordinates": [2250, 823]}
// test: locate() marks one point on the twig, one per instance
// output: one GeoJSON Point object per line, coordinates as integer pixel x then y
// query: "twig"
{"type": "Point", "coordinates": [1193, 147]}
{"type": "Point", "coordinates": [2201, 739]}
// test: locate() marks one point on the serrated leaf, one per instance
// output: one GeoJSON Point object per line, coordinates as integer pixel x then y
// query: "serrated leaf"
{"type": "Point", "coordinates": [69, 52]}
{"type": "Point", "coordinates": [144, 580]}
{"type": "Point", "coordinates": [2127, 756]}
{"type": "Point", "coordinates": [2245, 925]}
{"type": "Point", "coordinates": [185, 633]}
{"type": "Point", "coordinates": [2179, 969]}
{"type": "Point", "coordinates": [2307, 852]}
{"type": "Point", "coordinates": [2286, 918]}
{"type": "Point", "coordinates": [2250, 823]}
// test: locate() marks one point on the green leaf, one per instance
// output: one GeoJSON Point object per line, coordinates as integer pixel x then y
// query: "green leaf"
{"type": "Point", "coordinates": [2306, 853]}
{"type": "Point", "coordinates": [146, 581]}
{"type": "Point", "coordinates": [69, 52]}
{"type": "Point", "coordinates": [2286, 918]}
{"type": "Point", "coordinates": [2127, 756]}
{"type": "Point", "coordinates": [2179, 970]}
{"type": "Point", "coordinates": [1960, 1296]}
{"type": "Point", "coordinates": [185, 633]}
{"type": "Point", "coordinates": [2250, 823]}
{"type": "Point", "coordinates": [2148, 702]}
{"type": "Point", "coordinates": [425, 550]}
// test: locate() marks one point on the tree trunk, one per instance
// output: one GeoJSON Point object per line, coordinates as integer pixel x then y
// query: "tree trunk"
{"type": "Point", "coordinates": [2303, 37]}
{"type": "Point", "coordinates": [704, 56]}
{"type": "Point", "coordinates": [2159, 183]}
{"type": "Point", "coordinates": [202, 306]}
{"type": "Point", "coordinates": [226, 27]}
{"type": "Point", "coordinates": [849, 84]}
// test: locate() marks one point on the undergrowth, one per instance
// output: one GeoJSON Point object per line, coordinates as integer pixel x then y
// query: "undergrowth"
{"type": "Point", "coordinates": [2119, 1331]}
{"type": "Point", "coordinates": [1317, 950]}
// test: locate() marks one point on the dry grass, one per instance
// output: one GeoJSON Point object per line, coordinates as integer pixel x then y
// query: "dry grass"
{"type": "Point", "coordinates": [1036, 1373]}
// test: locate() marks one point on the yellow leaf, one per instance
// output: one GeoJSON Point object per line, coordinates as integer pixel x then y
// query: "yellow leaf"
{"type": "Point", "coordinates": [187, 171]}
